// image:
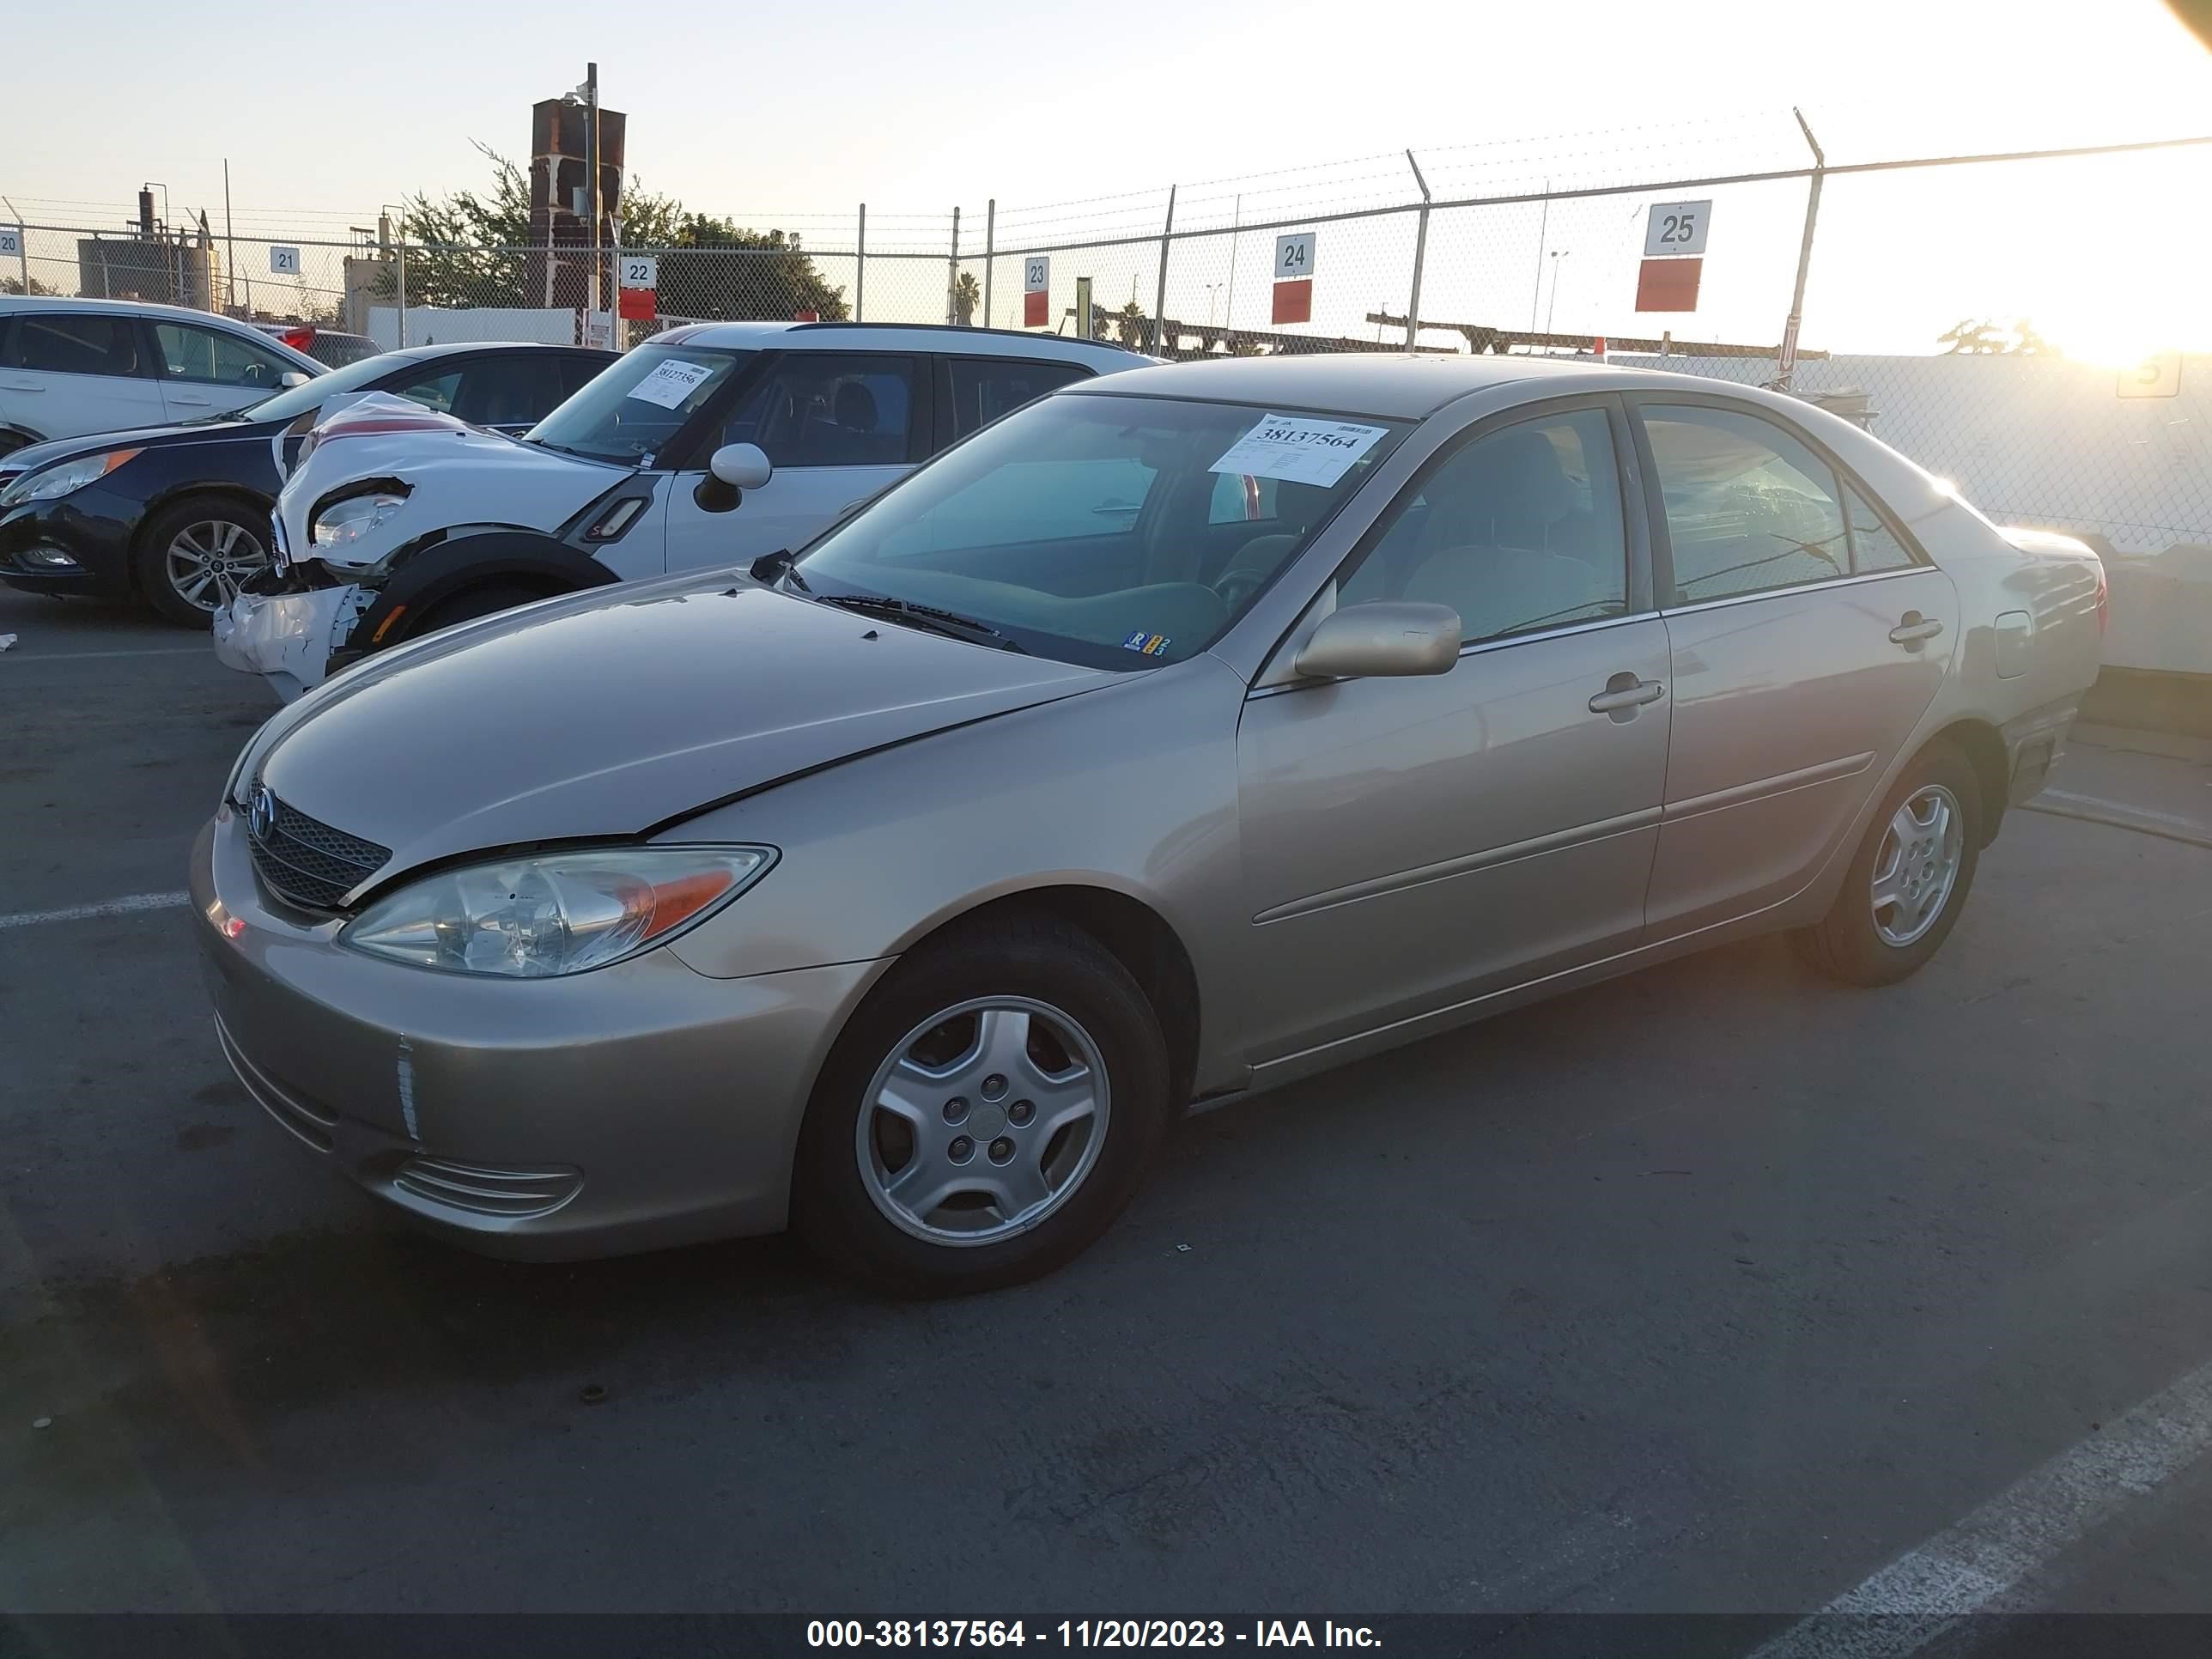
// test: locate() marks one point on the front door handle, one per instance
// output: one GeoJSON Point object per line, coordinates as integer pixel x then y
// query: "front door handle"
{"type": "Point", "coordinates": [1913, 628]}
{"type": "Point", "coordinates": [1625, 690]}
{"type": "Point", "coordinates": [19, 385]}
{"type": "Point", "coordinates": [181, 397]}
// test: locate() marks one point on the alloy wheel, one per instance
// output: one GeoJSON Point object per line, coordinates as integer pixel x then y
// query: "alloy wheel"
{"type": "Point", "coordinates": [1917, 865]}
{"type": "Point", "coordinates": [208, 562]}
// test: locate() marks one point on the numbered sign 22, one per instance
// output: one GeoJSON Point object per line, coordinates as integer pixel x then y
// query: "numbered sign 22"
{"type": "Point", "coordinates": [11, 241]}
{"type": "Point", "coordinates": [1294, 257]}
{"type": "Point", "coordinates": [1676, 227]}
{"type": "Point", "coordinates": [639, 270]}
{"type": "Point", "coordinates": [284, 261]}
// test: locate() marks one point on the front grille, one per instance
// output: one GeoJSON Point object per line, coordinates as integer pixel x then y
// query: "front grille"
{"type": "Point", "coordinates": [305, 859]}
{"type": "Point", "coordinates": [485, 1190]}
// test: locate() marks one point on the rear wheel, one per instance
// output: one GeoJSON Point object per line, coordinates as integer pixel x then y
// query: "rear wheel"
{"type": "Point", "coordinates": [487, 600]}
{"type": "Point", "coordinates": [195, 555]}
{"type": "Point", "coordinates": [1911, 876]}
{"type": "Point", "coordinates": [986, 1114]}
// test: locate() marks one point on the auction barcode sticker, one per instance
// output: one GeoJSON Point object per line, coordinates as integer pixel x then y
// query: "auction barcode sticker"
{"type": "Point", "coordinates": [1298, 449]}
{"type": "Point", "coordinates": [670, 383]}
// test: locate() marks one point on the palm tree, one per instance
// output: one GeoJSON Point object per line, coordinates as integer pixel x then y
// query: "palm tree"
{"type": "Point", "coordinates": [966, 296]}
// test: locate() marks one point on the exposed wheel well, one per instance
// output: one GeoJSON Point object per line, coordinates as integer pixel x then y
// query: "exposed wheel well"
{"type": "Point", "coordinates": [1140, 940]}
{"type": "Point", "coordinates": [1983, 747]}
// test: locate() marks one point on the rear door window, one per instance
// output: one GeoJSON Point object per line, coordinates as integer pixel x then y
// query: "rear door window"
{"type": "Point", "coordinates": [984, 388]}
{"type": "Point", "coordinates": [830, 409]}
{"type": "Point", "coordinates": [71, 342]}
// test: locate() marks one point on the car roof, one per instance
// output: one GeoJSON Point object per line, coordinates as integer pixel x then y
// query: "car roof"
{"type": "Point", "coordinates": [454, 347]}
{"type": "Point", "coordinates": [908, 337]}
{"type": "Point", "coordinates": [1393, 385]}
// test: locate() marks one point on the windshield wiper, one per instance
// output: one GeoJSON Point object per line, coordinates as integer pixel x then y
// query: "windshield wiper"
{"type": "Point", "coordinates": [949, 623]}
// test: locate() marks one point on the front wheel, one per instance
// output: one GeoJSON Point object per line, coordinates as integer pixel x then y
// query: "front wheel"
{"type": "Point", "coordinates": [985, 1115]}
{"type": "Point", "coordinates": [196, 554]}
{"type": "Point", "coordinates": [1910, 879]}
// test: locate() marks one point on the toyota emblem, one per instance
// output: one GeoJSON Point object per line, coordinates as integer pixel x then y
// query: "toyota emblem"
{"type": "Point", "coordinates": [262, 813]}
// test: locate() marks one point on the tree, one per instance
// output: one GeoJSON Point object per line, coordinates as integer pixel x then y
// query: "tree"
{"type": "Point", "coordinates": [472, 250]}
{"type": "Point", "coordinates": [14, 285]}
{"type": "Point", "coordinates": [1130, 323]}
{"type": "Point", "coordinates": [966, 296]}
{"type": "Point", "coordinates": [1986, 339]}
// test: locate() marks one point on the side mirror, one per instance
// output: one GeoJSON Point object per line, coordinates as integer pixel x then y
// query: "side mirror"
{"type": "Point", "coordinates": [1384, 637]}
{"type": "Point", "coordinates": [742, 467]}
{"type": "Point", "coordinates": [290, 378]}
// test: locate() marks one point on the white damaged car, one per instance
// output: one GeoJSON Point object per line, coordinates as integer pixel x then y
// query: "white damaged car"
{"type": "Point", "coordinates": [708, 445]}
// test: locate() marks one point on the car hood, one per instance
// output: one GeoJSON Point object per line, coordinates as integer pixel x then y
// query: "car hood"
{"type": "Point", "coordinates": [610, 714]}
{"type": "Point", "coordinates": [144, 437]}
{"type": "Point", "coordinates": [456, 473]}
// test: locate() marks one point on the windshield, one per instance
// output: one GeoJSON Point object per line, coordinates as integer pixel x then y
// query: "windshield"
{"type": "Point", "coordinates": [300, 398]}
{"type": "Point", "coordinates": [627, 413]}
{"type": "Point", "coordinates": [1123, 532]}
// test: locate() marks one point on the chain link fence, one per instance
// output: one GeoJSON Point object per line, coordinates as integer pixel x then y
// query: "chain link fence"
{"type": "Point", "coordinates": [1941, 297]}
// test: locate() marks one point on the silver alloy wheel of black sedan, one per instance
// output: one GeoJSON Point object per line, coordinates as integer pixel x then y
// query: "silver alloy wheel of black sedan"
{"type": "Point", "coordinates": [208, 563]}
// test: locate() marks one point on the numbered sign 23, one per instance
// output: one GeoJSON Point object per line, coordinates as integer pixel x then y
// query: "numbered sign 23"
{"type": "Point", "coordinates": [1676, 227]}
{"type": "Point", "coordinates": [1036, 291]}
{"type": "Point", "coordinates": [284, 261]}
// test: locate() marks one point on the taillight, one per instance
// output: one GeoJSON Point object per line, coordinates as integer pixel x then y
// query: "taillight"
{"type": "Point", "coordinates": [299, 338]}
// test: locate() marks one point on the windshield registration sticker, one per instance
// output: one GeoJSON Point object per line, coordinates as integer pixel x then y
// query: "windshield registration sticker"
{"type": "Point", "coordinates": [670, 383]}
{"type": "Point", "coordinates": [1298, 449]}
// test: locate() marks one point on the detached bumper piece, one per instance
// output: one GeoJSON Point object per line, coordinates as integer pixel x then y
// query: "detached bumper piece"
{"type": "Point", "coordinates": [288, 638]}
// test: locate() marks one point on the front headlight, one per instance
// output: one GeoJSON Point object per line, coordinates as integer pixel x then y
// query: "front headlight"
{"type": "Point", "coordinates": [343, 523]}
{"type": "Point", "coordinates": [559, 912]}
{"type": "Point", "coordinates": [49, 482]}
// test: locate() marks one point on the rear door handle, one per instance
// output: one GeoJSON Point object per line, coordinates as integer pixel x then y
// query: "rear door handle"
{"type": "Point", "coordinates": [1913, 628]}
{"type": "Point", "coordinates": [180, 397]}
{"type": "Point", "coordinates": [1625, 691]}
{"type": "Point", "coordinates": [19, 385]}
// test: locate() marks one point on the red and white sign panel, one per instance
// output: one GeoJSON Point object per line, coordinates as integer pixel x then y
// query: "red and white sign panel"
{"type": "Point", "coordinates": [1668, 284]}
{"type": "Point", "coordinates": [637, 280]}
{"type": "Point", "coordinates": [1036, 292]}
{"type": "Point", "coordinates": [1293, 302]}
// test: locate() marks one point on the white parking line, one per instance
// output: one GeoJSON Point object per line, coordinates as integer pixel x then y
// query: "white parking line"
{"type": "Point", "coordinates": [118, 907]}
{"type": "Point", "coordinates": [27, 658]}
{"type": "Point", "coordinates": [2178, 819]}
{"type": "Point", "coordinates": [1968, 1567]}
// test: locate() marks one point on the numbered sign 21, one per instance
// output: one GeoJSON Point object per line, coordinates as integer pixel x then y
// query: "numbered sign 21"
{"type": "Point", "coordinates": [1294, 270]}
{"type": "Point", "coordinates": [1676, 227]}
{"type": "Point", "coordinates": [284, 261]}
{"type": "Point", "coordinates": [1036, 291]}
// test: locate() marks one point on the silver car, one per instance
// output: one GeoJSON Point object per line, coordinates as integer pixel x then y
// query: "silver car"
{"type": "Point", "coordinates": [1179, 735]}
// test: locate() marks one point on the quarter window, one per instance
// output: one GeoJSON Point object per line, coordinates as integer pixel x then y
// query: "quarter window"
{"type": "Point", "coordinates": [984, 388]}
{"type": "Point", "coordinates": [207, 355]}
{"type": "Point", "coordinates": [1749, 508]}
{"type": "Point", "coordinates": [1518, 532]}
{"type": "Point", "coordinates": [1874, 547]}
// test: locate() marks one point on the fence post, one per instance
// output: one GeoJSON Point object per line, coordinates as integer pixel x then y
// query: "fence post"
{"type": "Point", "coordinates": [861, 265]}
{"type": "Point", "coordinates": [1160, 294]}
{"type": "Point", "coordinates": [952, 273]}
{"type": "Point", "coordinates": [1420, 252]}
{"type": "Point", "coordinates": [990, 245]}
{"type": "Point", "coordinates": [1786, 361]}
{"type": "Point", "coordinates": [403, 293]}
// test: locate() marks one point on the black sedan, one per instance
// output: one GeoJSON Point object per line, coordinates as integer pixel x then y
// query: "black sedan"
{"type": "Point", "coordinates": [178, 516]}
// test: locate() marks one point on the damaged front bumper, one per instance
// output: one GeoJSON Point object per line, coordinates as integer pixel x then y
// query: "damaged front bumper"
{"type": "Point", "coordinates": [288, 638]}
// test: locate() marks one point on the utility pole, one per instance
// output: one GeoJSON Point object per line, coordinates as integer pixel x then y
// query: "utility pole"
{"type": "Point", "coordinates": [1786, 361]}
{"type": "Point", "coordinates": [230, 248]}
{"type": "Point", "coordinates": [591, 146]}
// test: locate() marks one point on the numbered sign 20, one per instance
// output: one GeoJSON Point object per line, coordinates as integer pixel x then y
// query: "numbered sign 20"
{"type": "Point", "coordinates": [1676, 227]}
{"type": "Point", "coordinates": [11, 241]}
{"type": "Point", "coordinates": [1294, 270]}
{"type": "Point", "coordinates": [284, 261]}
{"type": "Point", "coordinates": [1036, 291]}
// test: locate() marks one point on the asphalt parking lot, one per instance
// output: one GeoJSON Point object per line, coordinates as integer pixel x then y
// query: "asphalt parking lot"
{"type": "Point", "coordinates": [1715, 1290]}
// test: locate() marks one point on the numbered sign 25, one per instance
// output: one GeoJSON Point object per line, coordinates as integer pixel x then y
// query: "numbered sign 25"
{"type": "Point", "coordinates": [1676, 227]}
{"type": "Point", "coordinates": [1036, 275]}
{"type": "Point", "coordinates": [284, 261]}
{"type": "Point", "coordinates": [1294, 256]}
{"type": "Point", "coordinates": [639, 270]}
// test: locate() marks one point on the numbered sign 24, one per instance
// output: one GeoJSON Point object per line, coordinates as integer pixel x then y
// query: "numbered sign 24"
{"type": "Point", "coordinates": [1294, 257]}
{"type": "Point", "coordinates": [284, 261]}
{"type": "Point", "coordinates": [1676, 227]}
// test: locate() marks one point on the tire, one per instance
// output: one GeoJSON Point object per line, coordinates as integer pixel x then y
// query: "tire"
{"type": "Point", "coordinates": [484, 599]}
{"type": "Point", "coordinates": [1861, 942]}
{"type": "Point", "coordinates": [232, 539]}
{"type": "Point", "coordinates": [1073, 993]}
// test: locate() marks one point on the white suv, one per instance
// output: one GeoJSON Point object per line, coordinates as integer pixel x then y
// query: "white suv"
{"type": "Point", "coordinates": [68, 368]}
{"type": "Point", "coordinates": [708, 445]}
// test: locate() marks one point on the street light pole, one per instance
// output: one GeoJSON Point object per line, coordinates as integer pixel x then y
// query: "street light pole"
{"type": "Point", "coordinates": [1552, 310]}
{"type": "Point", "coordinates": [591, 147]}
